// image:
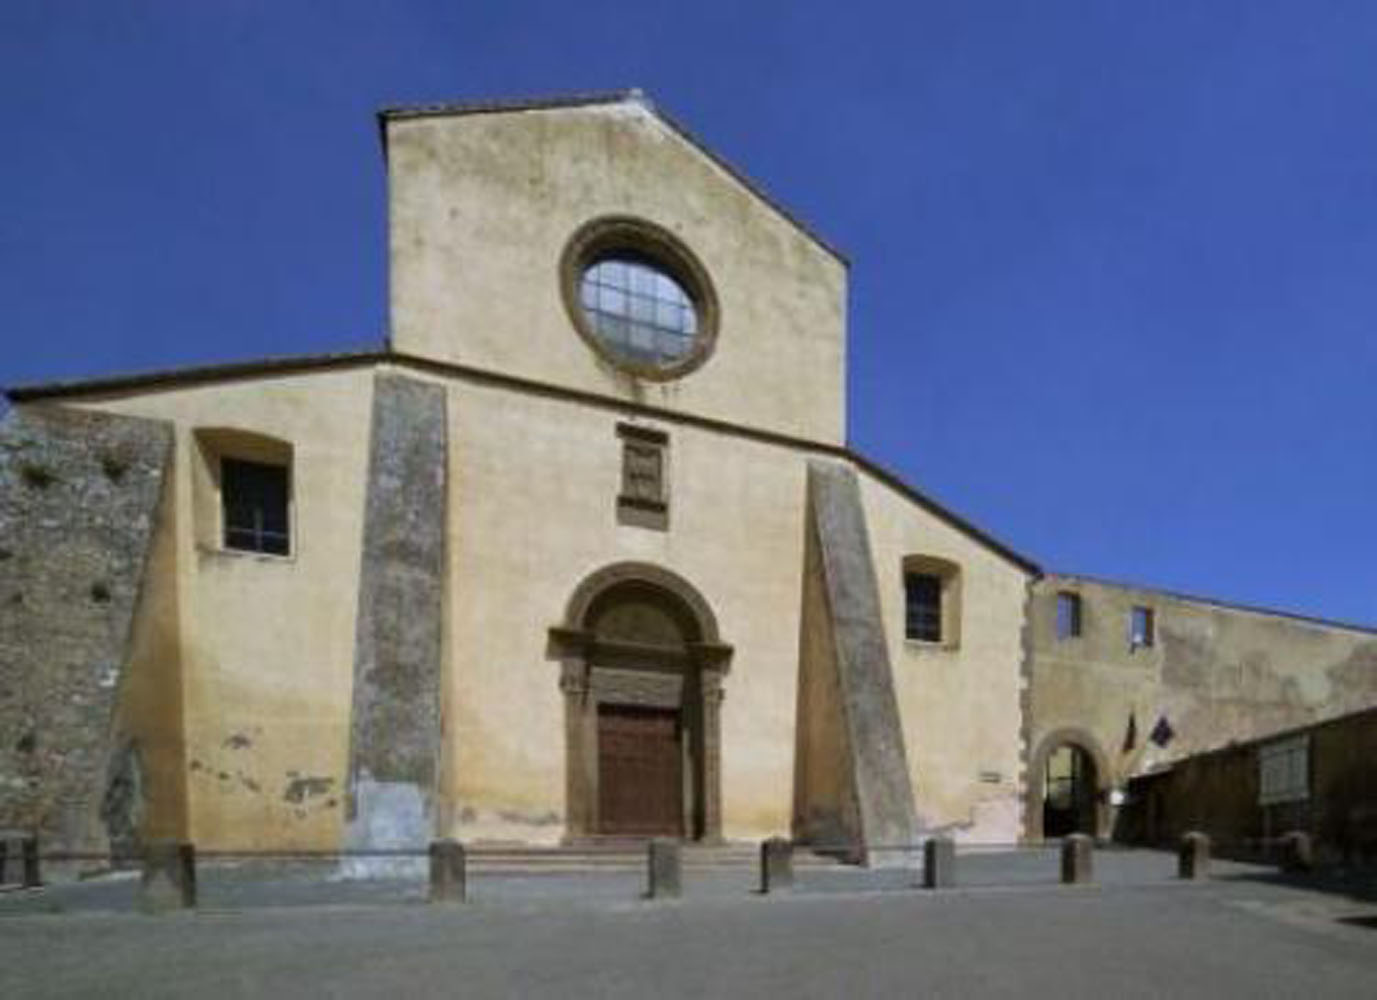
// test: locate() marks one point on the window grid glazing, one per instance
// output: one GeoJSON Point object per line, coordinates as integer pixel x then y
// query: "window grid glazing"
{"type": "Point", "coordinates": [639, 311]}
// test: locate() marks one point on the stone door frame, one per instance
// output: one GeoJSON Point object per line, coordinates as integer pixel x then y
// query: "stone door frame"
{"type": "Point", "coordinates": [596, 671]}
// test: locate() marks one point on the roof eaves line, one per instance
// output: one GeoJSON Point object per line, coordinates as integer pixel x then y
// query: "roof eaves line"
{"type": "Point", "coordinates": [1217, 602]}
{"type": "Point", "coordinates": [189, 374]}
{"type": "Point", "coordinates": [945, 513]}
{"type": "Point", "coordinates": [316, 362]}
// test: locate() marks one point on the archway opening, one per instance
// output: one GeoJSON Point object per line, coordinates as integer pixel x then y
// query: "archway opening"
{"type": "Point", "coordinates": [649, 717]}
{"type": "Point", "coordinates": [642, 671]}
{"type": "Point", "coordinates": [1069, 798]}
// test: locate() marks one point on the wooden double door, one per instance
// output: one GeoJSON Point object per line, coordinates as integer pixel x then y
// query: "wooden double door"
{"type": "Point", "coordinates": [640, 771]}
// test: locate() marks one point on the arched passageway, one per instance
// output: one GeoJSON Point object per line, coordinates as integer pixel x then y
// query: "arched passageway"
{"type": "Point", "coordinates": [1069, 792]}
{"type": "Point", "coordinates": [1067, 787]}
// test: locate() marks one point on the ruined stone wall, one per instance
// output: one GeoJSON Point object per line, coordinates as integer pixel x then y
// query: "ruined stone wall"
{"type": "Point", "coordinates": [79, 504]}
{"type": "Point", "coordinates": [1213, 675]}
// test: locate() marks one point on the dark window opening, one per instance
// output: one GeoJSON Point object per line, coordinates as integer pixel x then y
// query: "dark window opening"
{"type": "Point", "coordinates": [923, 607]}
{"type": "Point", "coordinates": [1068, 615]}
{"type": "Point", "coordinates": [255, 498]}
{"type": "Point", "coordinates": [1141, 627]}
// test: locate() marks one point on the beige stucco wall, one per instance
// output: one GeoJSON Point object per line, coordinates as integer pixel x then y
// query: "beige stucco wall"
{"type": "Point", "coordinates": [960, 704]}
{"type": "Point", "coordinates": [481, 207]}
{"type": "Point", "coordinates": [148, 713]}
{"type": "Point", "coordinates": [267, 643]}
{"type": "Point", "coordinates": [535, 482]}
{"type": "Point", "coordinates": [1217, 674]}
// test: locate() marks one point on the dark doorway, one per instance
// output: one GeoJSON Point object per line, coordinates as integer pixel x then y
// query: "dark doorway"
{"type": "Point", "coordinates": [1068, 804]}
{"type": "Point", "coordinates": [640, 767]}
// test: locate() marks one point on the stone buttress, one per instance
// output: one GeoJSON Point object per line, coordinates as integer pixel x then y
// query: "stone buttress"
{"type": "Point", "coordinates": [852, 791]}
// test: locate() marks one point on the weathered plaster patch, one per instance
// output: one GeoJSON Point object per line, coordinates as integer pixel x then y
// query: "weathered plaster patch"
{"type": "Point", "coordinates": [547, 818]}
{"type": "Point", "coordinates": [388, 816]}
{"type": "Point", "coordinates": [298, 790]}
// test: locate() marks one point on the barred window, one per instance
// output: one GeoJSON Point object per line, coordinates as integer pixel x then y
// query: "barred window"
{"type": "Point", "coordinates": [923, 607]}
{"type": "Point", "coordinates": [255, 505]}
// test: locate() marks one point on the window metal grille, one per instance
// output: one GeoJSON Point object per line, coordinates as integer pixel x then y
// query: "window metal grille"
{"type": "Point", "coordinates": [255, 499]}
{"type": "Point", "coordinates": [639, 311]}
{"type": "Point", "coordinates": [923, 607]}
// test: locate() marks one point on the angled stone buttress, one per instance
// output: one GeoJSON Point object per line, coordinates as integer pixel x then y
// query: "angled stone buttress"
{"type": "Point", "coordinates": [395, 724]}
{"type": "Point", "coordinates": [852, 791]}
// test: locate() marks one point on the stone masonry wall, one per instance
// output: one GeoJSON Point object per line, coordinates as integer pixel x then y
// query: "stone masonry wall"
{"type": "Point", "coordinates": [79, 499]}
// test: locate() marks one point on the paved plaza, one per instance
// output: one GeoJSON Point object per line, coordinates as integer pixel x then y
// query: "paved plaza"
{"type": "Point", "coordinates": [1009, 929]}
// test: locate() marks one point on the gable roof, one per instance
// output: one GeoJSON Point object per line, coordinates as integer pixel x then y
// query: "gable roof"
{"type": "Point", "coordinates": [632, 96]}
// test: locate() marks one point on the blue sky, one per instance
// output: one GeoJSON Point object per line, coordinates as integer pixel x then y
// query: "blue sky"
{"type": "Point", "coordinates": [1114, 278]}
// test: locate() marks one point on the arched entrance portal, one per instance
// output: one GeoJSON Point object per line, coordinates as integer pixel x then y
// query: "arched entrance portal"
{"type": "Point", "coordinates": [1069, 792]}
{"type": "Point", "coordinates": [641, 672]}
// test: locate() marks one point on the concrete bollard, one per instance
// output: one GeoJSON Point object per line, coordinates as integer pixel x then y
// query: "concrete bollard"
{"type": "Point", "coordinates": [19, 860]}
{"type": "Point", "coordinates": [1297, 852]}
{"type": "Point", "coordinates": [169, 877]}
{"type": "Point", "coordinates": [664, 869]}
{"type": "Point", "coordinates": [1193, 856]}
{"type": "Point", "coordinates": [1077, 858]}
{"type": "Point", "coordinates": [939, 863]}
{"type": "Point", "coordinates": [448, 872]}
{"type": "Point", "coordinates": [33, 878]}
{"type": "Point", "coordinates": [776, 865]}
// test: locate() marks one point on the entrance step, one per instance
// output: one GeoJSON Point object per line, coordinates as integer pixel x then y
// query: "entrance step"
{"type": "Point", "coordinates": [621, 856]}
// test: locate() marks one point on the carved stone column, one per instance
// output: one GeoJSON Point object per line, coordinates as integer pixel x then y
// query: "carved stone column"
{"type": "Point", "coordinates": [573, 684]}
{"type": "Point", "coordinates": [711, 685]}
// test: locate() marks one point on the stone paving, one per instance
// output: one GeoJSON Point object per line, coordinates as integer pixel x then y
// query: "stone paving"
{"type": "Point", "coordinates": [1008, 929]}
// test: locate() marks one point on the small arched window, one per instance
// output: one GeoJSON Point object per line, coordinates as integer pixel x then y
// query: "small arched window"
{"type": "Point", "coordinates": [932, 601]}
{"type": "Point", "coordinates": [243, 492]}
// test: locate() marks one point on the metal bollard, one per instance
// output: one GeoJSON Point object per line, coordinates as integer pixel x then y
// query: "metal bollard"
{"type": "Point", "coordinates": [1193, 856]}
{"type": "Point", "coordinates": [1297, 852]}
{"type": "Point", "coordinates": [939, 863]}
{"type": "Point", "coordinates": [776, 865]}
{"type": "Point", "coordinates": [169, 877]}
{"type": "Point", "coordinates": [448, 872]}
{"type": "Point", "coordinates": [1077, 858]}
{"type": "Point", "coordinates": [664, 869]}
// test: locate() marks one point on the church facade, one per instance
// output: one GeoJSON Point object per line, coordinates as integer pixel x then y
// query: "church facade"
{"type": "Point", "coordinates": [580, 553]}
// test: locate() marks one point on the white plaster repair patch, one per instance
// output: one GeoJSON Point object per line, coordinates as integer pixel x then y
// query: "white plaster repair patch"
{"type": "Point", "coordinates": [388, 816]}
